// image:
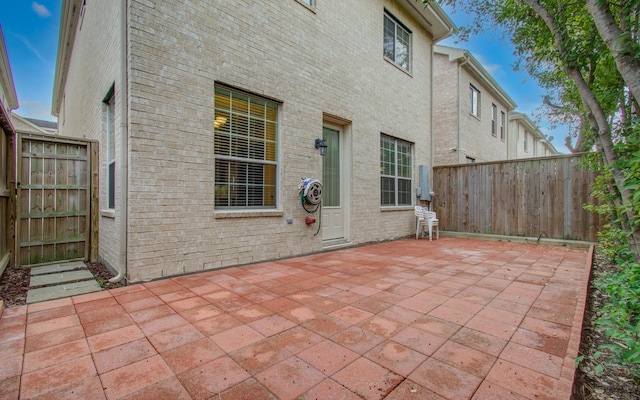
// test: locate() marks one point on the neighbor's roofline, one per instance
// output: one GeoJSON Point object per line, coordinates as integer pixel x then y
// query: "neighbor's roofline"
{"type": "Point", "coordinates": [69, 17]}
{"type": "Point", "coordinates": [477, 70]}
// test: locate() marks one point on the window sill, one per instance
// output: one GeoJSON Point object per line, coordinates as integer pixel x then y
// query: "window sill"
{"type": "Point", "coordinates": [311, 8]}
{"type": "Point", "coordinates": [398, 208]}
{"type": "Point", "coordinates": [247, 214]}
{"type": "Point", "coordinates": [111, 214]}
{"type": "Point", "coordinates": [390, 61]}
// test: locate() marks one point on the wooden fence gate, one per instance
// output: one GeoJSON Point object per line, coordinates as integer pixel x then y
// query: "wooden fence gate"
{"type": "Point", "coordinates": [54, 199]}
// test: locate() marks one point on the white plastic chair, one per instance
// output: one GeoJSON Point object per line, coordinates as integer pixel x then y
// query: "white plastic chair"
{"type": "Point", "coordinates": [426, 219]}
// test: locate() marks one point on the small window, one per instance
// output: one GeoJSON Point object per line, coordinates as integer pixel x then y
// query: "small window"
{"type": "Point", "coordinates": [110, 103]}
{"type": "Point", "coordinates": [246, 156]}
{"type": "Point", "coordinates": [494, 120]}
{"type": "Point", "coordinates": [395, 172]}
{"type": "Point", "coordinates": [397, 42]}
{"type": "Point", "coordinates": [474, 97]}
{"type": "Point", "coordinates": [526, 141]}
{"type": "Point", "coordinates": [503, 118]}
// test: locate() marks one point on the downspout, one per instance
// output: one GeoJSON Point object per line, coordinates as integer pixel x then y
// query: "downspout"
{"type": "Point", "coordinates": [431, 123]}
{"type": "Point", "coordinates": [124, 153]}
{"type": "Point", "coordinates": [459, 146]}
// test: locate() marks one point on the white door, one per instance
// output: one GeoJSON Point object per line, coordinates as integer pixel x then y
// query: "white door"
{"type": "Point", "coordinates": [333, 215]}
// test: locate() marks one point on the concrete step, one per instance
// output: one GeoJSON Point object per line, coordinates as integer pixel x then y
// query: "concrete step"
{"type": "Point", "coordinates": [61, 267]}
{"type": "Point", "coordinates": [61, 277]}
{"type": "Point", "coordinates": [60, 291]}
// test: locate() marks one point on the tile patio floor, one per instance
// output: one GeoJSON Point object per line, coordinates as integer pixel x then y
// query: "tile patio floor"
{"type": "Point", "coordinates": [409, 319]}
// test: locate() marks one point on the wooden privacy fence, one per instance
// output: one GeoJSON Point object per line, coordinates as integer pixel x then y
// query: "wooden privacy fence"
{"type": "Point", "coordinates": [541, 198]}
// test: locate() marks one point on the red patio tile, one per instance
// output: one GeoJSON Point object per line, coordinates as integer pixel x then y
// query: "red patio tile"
{"type": "Point", "coordinates": [326, 305]}
{"type": "Point", "coordinates": [177, 296]}
{"type": "Point", "coordinates": [419, 340]}
{"type": "Point", "coordinates": [436, 326]}
{"type": "Point", "coordinates": [330, 389]}
{"type": "Point", "coordinates": [108, 323]}
{"type": "Point", "coordinates": [188, 304]}
{"type": "Point", "coordinates": [205, 289]}
{"type": "Point", "coordinates": [142, 304]}
{"type": "Point", "coordinates": [114, 338]}
{"type": "Point", "coordinates": [134, 377]}
{"type": "Point", "coordinates": [536, 360]}
{"type": "Point", "coordinates": [457, 317]}
{"type": "Point", "coordinates": [97, 304]}
{"type": "Point", "coordinates": [546, 327]}
{"type": "Point", "coordinates": [542, 342]}
{"type": "Point", "coordinates": [492, 327]}
{"type": "Point", "coordinates": [251, 313]}
{"type": "Point", "coordinates": [400, 314]}
{"type": "Point", "coordinates": [296, 339]}
{"type": "Point", "coordinates": [122, 355]}
{"type": "Point", "coordinates": [162, 324]}
{"type": "Point", "coordinates": [136, 294]}
{"type": "Point", "coordinates": [217, 324]}
{"type": "Point", "coordinates": [10, 367]}
{"type": "Point", "coordinates": [481, 341]}
{"type": "Point", "coordinates": [12, 348]}
{"type": "Point", "coordinates": [371, 305]}
{"type": "Point", "coordinates": [497, 314]}
{"type": "Point", "coordinates": [192, 355]}
{"type": "Point", "coordinates": [236, 338]}
{"type": "Point", "coordinates": [445, 380]}
{"type": "Point", "coordinates": [358, 339]}
{"type": "Point", "coordinates": [56, 376]}
{"type": "Point", "coordinates": [368, 379]}
{"type": "Point", "coordinates": [261, 355]}
{"type": "Point", "coordinates": [212, 378]}
{"type": "Point", "coordinates": [272, 325]}
{"type": "Point", "coordinates": [328, 357]}
{"type": "Point", "coordinates": [290, 378]}
{"type": "Point", "coordinates": [351, 314]}
{"type": "Point", "coordinates": [55, 354]}
{"type": "Point", "coordinates": [163, 286]}
{"type": "Point", "coordinates": [47, 339]}
{"type": "Point", "coordinates": [12, 333]}
{"type": "Point", "coordinates": [48, 305]}
{"type": "Point", "coordinates": [200, 313]}
{"type": "Point", "coordinates": [396, 357]}
{"type": "Point", "coordinates": [83, 298]}
{"type": "Point", "coordinates": [382, 326]}
{"type": "Point", "coordinates": [50, 325]}
{"type": "Point", "coordinates": [152, 313]}
{"type": "Point", "coordinates": [166, 389]}
{"type": "Point", "coordinates": [99, 313]}
{"type": "Point", "coordinates": [523, 381]}
{"type": "Point", "coordinates": [465, 358]}
{"type": "Point", "coordinates": [326, 325]}
{"type": "Point", "coordinates": [89, 388]}
{"type": "Point", "coordinates": [43, 315]}
{"type": "Point", "coordinates": [301, 314]}
{"type": "Point", "coordinates": [493, 391]}
{"type": "Point", "coordinates": [249, 389]}
{"type": "Point", "coordinates": [409, 390]}
{"type": "Point", "coordinates": [175, 337]}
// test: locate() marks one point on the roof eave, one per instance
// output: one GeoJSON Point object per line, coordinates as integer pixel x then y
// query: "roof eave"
{"type": "Point", "coordinates": [6, 77]}
{"type": "Point", "coordinates": [431, 17]}
{"type": "Point", "coordinates": [69, 18]}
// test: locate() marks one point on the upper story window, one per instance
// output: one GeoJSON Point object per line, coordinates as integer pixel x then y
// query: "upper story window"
{"type": "Point", "coordinates": [308, 3]}
{"type": "Point", "coordinates": [526, 141]}
{"type": "Point", "coordinates": [474, 97]}
{"type": "Point", "coordinates": [397, 42]}
{"type": "Point", "coordinates": [494, 120]}
{"type": "Point", "coordinates": [503, 118]}
{"type": "Point", "coordinates": [395, 172]}
{"type": "Point", "coordinates": [246, 159]}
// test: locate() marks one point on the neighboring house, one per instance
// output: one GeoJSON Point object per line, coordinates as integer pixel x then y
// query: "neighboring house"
{"type": "Point", "coordinates": [528, 140]}
{"type": "Point", "coordinates": [208, 115]}
{"type": "Point", "coordinates": [470, 110]}
{"type": "Point", "coordinates": [8, 102]}
{"type": "Point", "coordinates": [31, 125]}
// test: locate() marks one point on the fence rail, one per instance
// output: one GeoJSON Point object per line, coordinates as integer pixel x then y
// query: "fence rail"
{"type": "Point", "coordinates": [538, 197]}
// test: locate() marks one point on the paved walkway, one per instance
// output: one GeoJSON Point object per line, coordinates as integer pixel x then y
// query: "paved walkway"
{"type": "Point", "coordinates": [410, 319]}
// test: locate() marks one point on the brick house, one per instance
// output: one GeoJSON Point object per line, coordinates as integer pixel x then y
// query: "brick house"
{"type": "Point", "coordinates": [471, 110]}
{"type": "Point", "coordinates": [528, 140]}
{"type": "Point", "coordinates": [208, 115]}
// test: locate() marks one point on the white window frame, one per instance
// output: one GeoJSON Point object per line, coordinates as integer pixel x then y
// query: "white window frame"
{"type": "Point", "coordinates": [503, 118]}
{"type": "Point", "coordinates": [245, 135]}
{"type": "Point", "coordinates": [308, 3]}
{"type": "Point", "coordinates": [526, 142]}
{"type": "Point", "coordinates": [474, 97]}
{"type": "Point", "coordinates": [494, 120]}
{"type": "Point", "coordinates": [110, 103]}
{"type": "Point", "coordinates": [401, 36]}
{"type": "Point", "coordinates": [395, 180]}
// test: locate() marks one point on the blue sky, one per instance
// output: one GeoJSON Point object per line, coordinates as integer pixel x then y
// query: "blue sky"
{"type": "Point", "coordinates": [31, 35]}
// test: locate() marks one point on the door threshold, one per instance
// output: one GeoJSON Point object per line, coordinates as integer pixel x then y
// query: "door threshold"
{"type": "Point", "coordinates": [335, 243]}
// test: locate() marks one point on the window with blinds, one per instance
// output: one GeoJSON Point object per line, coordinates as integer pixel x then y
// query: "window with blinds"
{"type": "Point", "coordinates": [245, 147]}
{"type": "Point", "coordinates": [395, 172]}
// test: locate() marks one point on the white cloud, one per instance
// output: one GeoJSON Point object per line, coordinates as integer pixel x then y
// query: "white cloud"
{"type": "Point", "coordinates": [40, 9]}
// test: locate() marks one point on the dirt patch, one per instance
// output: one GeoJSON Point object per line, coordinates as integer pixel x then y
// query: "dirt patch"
{"type": "Point", "coordinates": [614, 383]}
{"type": "Point", "coordinates": [14, 283]}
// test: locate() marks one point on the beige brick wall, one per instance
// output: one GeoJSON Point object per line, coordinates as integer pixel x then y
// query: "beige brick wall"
{"type": "Point", "coordinates": [327, 61]}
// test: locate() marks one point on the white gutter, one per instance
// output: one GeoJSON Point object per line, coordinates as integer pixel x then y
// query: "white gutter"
{"type": "Point", "coordinates": [124, 153]}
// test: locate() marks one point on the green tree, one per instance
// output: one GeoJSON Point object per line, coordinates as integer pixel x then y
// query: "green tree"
{"type": "Point", "coordinates": [587, 55]}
